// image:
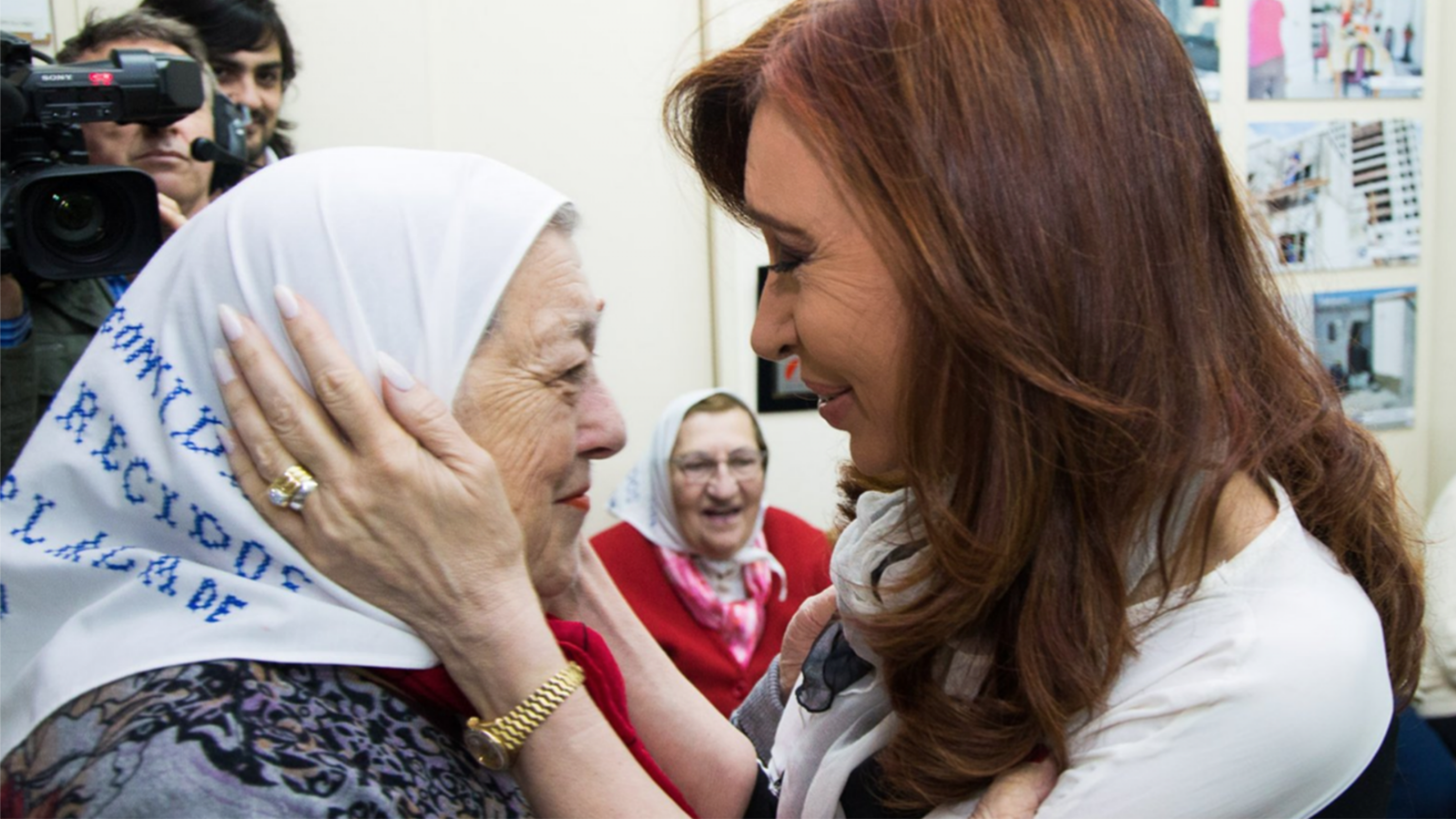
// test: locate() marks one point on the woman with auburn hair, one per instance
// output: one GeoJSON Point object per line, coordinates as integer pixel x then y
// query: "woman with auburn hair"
{"type": "Point", "coordinates": [1104, 413]}
{"type": "Point", "coordinates": [1127, 521]}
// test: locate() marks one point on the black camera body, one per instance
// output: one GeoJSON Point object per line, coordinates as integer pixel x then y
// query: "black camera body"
{"type": "Point", "coordinates": [62, 218]}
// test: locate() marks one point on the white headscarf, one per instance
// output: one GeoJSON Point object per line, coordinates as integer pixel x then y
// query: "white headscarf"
{"type": "Point", "coordinates": [645, 498]}
{"type": "Point", "coordinates": [126, 545]}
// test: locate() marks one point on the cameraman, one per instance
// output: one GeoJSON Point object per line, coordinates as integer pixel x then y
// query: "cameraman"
{"type": "Point", "coordinates": [44, 329]}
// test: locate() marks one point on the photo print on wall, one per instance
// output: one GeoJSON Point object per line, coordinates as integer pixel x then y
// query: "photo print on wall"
{"type": "Point", "coordinates": [1196, 22]}
{"type": "Point", "coordinates": [1340, 194]}
{"type": "Point", "coordinates": [1336, 49]}
{"type": "Point", "coordinates": [1366, 341]}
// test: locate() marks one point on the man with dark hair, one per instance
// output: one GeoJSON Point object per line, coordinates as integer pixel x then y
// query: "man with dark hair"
{"type": "Point", "coordinates": [45, 327]}
{"type": "Point", "coordinates": [254, 61]}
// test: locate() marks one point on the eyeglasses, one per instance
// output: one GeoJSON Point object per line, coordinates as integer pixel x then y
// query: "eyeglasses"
{"type": "Point", "coordinates": [743, 464]}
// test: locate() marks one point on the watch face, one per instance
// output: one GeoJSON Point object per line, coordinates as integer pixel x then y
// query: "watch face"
{"type": "Point", "coordinates": [486, 749]}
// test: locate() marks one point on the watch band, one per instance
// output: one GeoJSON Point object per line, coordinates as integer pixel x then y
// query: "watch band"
{"type": "Point", "coordinates": [494, 744]}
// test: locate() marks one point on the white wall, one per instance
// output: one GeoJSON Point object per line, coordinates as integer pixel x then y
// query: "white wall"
{"type": "Point", "coordinates": [570, 90]}
{"type": "Point", "coordinates": [1439, 307]}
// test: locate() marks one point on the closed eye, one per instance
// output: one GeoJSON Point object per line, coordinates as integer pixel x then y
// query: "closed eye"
{"type": "Point", "coordinates": [788, 260]}
{"type": "Point", "coordinates": [783, 267]}
{"type": "Point", "coordinates": [576, 376]}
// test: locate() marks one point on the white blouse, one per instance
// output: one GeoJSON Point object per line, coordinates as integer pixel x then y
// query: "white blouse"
{"type": "Point", "coordinates": [1266, 694]}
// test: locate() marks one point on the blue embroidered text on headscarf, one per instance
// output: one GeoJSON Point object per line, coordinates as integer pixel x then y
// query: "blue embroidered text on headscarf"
{"type": "Point", "coordinates": [127, 545]}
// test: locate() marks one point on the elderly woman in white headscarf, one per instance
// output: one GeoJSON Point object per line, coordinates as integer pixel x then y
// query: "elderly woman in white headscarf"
{"type": "Point", "coordinates": [713, 573]}
{"type": "Point", "coordinates": [165, 652]}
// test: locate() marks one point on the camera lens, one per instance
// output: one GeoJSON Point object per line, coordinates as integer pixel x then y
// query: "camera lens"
{"type": "Point", "coordinates": [75, 219]}
{"type": "Point", "coordinates": [82, 221]}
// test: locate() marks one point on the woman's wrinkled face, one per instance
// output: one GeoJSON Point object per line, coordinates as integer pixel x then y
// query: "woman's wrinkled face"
{"type": "Point", "coordinates": [531, 397]}
{"type": "Point", "coordinates": [829, 298]}
{"type": "Point", "coordinates": [716, 505]}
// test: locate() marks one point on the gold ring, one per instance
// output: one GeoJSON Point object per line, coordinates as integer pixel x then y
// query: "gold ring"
{"type": "Point", "coordinates": [281, 492]}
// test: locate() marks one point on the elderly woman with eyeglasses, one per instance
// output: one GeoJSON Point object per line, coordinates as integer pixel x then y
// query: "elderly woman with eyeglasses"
{"type": "Point", "coordinates": [712, 572]}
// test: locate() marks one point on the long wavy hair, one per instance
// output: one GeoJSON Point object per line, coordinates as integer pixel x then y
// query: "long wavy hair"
{"type": "Point", "coordinates": [1095, 331]}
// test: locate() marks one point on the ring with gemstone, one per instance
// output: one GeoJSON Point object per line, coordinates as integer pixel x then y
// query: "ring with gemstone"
{"type": "Point", "coordinates": [295, 479]}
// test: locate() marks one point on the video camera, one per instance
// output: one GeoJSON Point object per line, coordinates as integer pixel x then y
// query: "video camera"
{"type": "Point", "coordinates": [63, 219]}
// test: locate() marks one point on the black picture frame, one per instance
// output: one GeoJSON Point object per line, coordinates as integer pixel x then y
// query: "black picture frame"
{"type": "Point", "coordinates": [779, 387]}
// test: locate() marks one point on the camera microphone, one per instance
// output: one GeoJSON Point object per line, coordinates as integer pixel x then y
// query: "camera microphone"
{"type": "Point", "coordinates": [205, 150]}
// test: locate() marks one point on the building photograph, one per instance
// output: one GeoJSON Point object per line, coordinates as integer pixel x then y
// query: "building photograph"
{"type": "Point", "coordinates": [1339, 194]}
{"type": "Point", "coordinates": [1366, 340]}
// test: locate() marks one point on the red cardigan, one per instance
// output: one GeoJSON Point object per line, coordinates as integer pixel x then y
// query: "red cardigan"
{"type": "Point", "coordinates": [698, 652]}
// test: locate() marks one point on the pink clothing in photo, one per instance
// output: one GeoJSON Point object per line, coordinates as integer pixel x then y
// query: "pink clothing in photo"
{"type": "Point", "coordinates": [1264, 42]}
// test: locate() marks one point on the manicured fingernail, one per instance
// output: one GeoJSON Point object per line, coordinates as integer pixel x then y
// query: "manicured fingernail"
{"type": "Point", "coordinates": [225, 438]}
{"type": "Point", "coordinates": [223, 366]}
{"type": "Point", "coordinates": [1038, 753]}
{"type": "Point", "coordinates": [287, 302]}
{"type": "Point", "coordinates": [232, 327]}
{"type": "Point", "coordinates": [397, 375]}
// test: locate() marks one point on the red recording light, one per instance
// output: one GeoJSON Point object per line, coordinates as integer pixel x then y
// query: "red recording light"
{"type": "Point", "coordinates": [101, 77]}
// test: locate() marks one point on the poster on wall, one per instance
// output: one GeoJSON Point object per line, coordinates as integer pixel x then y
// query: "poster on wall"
{"type": "Point", "coordinates": [1339, 194]}
{"type": "Point", "coordinates": [781, 387]}
{"type": "Point", "coordinates": [1366, 341]}
{"type": "Point", "coordinates": [30, 20]}
{"type": "Point", "coordinates": [1336, 49]}
{"type": "Point", "coordinates": [1196, 22]}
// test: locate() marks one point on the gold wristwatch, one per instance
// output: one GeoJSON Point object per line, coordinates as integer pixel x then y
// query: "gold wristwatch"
{"type": "Point", "coordinates": [494, 744]}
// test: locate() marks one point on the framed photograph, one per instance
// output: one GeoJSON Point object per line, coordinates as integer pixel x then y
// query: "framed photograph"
{"type": "Point", "coordinates": [1336, 49]}
{"type": "Point", "coordinates": [1366, 340]}
{"type": "Point", "coordinates": [780, 388]}
{"type": "Point", "coordinates": [1339, 194]}
{"type": "Point", "coordinates": [1196, 22]}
